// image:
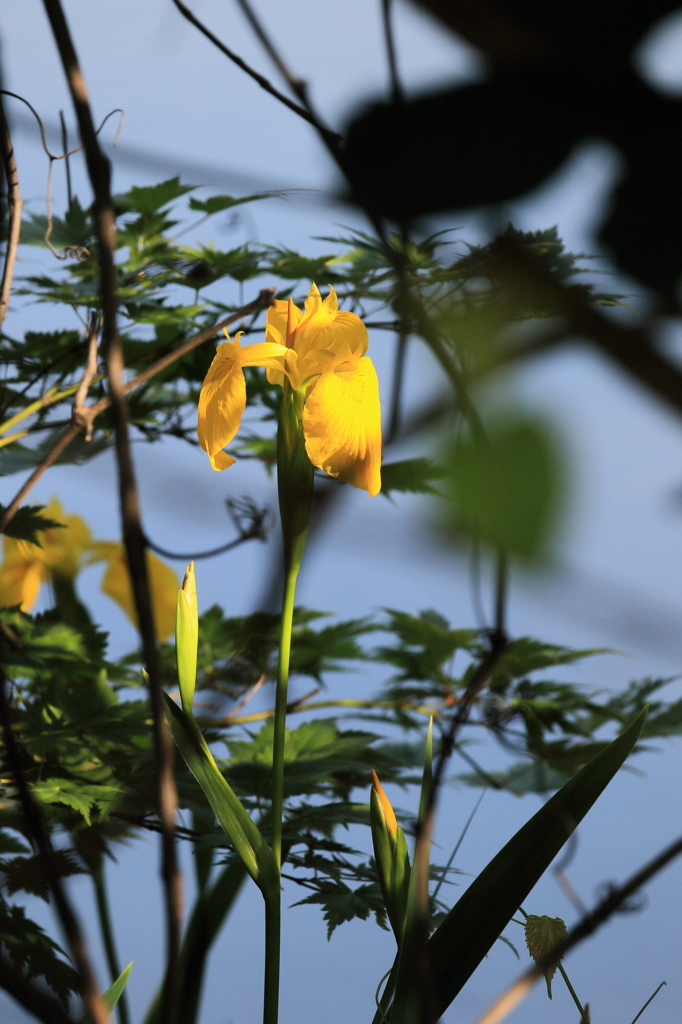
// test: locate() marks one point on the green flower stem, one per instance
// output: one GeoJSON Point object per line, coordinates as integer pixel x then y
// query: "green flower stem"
{"type": "Point", "coordinates": [586, 1019]}
{"type": "Point", "coordinates": [107, 930]}
{"type": "Point", "coordinates": [272, 945]}
{"type": "Point", "coordinates": [281, 711]}
{"type": "Point", "coordinates": [295, 487]}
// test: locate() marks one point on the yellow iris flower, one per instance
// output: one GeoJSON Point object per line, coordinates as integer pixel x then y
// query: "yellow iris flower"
{"type": "Point", "coordinates": [65, 552]}
{"type": "Point", "coordinates": [321, 352]}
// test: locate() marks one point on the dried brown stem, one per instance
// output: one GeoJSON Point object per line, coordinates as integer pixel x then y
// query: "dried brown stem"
{"type": "Point", "coordinates": [99, 172]}
{"type": "Point", "coordinates": [40, 837]}
{"type": "Point", "coordinates": [516, 992]}
{"type": "Point", "coordinates": [14, 206]}
{"type": "Point", "coordinates": [88, 413]}
{"type": "Point", "coordinates": [81, 413]}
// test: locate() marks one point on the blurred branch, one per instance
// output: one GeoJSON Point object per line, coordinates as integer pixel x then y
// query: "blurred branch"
{"type": "Point", "coordinates": [630, 347]}
{"type": "Point", "coordinates": [14, 206]}
{"type": "Point", "coordinates": [39, 836]}
{"type": "Point", "coordinates": [262, 81]}
{"type": "Point", "coordinates": [615, 901]}
{"type": "Point", "coordinates": [396, 88]}
{"type": "Point", "coordinates": [89, 413]}
{"type": "Point", "coordinates": [99, 172]}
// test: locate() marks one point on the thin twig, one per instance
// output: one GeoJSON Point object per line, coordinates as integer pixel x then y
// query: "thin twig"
{"type": "Point", "coordinates": [41, 839]}
{"type": "Point", "coordinates": [262, 302]}
{"type": "Point", "coordinates": [81, 413]}
{"type": "Point", "coordinates": [14, 207]}
{"type": "Point", "coordinates": [65, 150]}
{"type": "Point", "coordinates": [516, 992]}
{"type": "Point", "coordinates": [262, 81]}
{"type": "Point", "coordinates": [249, 695]}
{"type": "Point", "coordinates": [396, 88]}
{"type": "Point", "coordinates": [99, 172]}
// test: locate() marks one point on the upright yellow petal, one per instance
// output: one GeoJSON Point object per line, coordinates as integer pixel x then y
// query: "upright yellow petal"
{"type": "Point", "coordinates": [278, 314]}
{"type": "Point", "coordinates": [342, 426]}
{"type": "Point", "coordinates": [163, 584]}
{"type": "Point", "coordinates": [221, 404]}
{"type": "Point", "coordinates": [314, 300]}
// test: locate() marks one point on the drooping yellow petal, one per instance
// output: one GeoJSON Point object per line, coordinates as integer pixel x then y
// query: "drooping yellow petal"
{"type": "Point", "coordinates": [342, 426]}
{"type": "Point", "coordinates": [264, 353]}
{"type": "Point", "coordinates": [163, 584]}
{"type": "Point", "coordinates": [221, 404]}
{"type": "Point", "coordinates": [20, 577]}
{"type": "Point", "coordinates": [63, 548]}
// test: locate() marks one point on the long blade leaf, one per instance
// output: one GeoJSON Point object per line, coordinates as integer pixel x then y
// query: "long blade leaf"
{"type": "Point", "coordinates": [255, 853]}
{"type": "Point", "coordinates": [463, 939]}
{"type": "Point", "coordinates": [113, 993]}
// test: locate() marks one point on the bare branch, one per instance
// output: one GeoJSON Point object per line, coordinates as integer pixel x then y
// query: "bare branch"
{"type": "Point", "coordinates": [14, 205]}
{"type": "Point", "coordinates": [262, 81]}
{"type": "Point", "coordinates": [99, 172]}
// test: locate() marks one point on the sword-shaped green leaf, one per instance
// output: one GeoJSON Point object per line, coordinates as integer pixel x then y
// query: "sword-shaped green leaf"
{"type": "Point", "coordinates": [463, 939]}
{"type": "Point", "coordinates": [112, 994]}
{"type": "Point", "coordinates": [255, 853]}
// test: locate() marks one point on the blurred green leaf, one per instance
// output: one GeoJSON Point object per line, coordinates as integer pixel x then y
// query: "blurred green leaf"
{"type": "Point", "coordinates": [506, 488]}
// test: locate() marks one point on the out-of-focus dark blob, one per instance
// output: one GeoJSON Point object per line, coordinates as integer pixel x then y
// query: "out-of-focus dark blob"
{"type": "Point", "coordinates": [560, 73]}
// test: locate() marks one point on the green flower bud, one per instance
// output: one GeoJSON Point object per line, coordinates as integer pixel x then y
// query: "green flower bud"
{"type": "Point", "coordinates": [187, 638]}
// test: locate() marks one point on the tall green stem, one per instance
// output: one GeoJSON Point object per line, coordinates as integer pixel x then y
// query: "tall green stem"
{"type": "Point", "coordinates": [281, 710]}
{"type": "Point", "coordinates": [272, 944]}
{"type": "Point", "coordinates": [108, 936]}
{"type": "Point", "coordinates": [295, 486]}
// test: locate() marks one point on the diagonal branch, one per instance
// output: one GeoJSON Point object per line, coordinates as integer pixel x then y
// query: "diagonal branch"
{"type": "Point", "coordinates": [333, 137]}
{"type": "Point", "coordinates": [14, 205]}
{"type": "Point", "coordinates": [99, 172]}
{"type": "Point", "coordinates": [262, 302]}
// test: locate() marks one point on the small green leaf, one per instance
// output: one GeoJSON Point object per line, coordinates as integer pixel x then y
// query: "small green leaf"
{"type": "Point", "coordinates": [542, 935]}
{"type": "Point", "coordinates": [414, 476]}
{"type": "Point", "coordinates": [28, 522]}
{"type": "Point", "coordinates": [150, 198]}
{"type": "Point", "coordinates": [216, 204]}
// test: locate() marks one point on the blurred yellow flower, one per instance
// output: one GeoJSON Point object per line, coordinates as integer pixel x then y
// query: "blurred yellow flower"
{"type": "Point", "coordinates": [321, 352]}
{"type": "Point", "coordinates": [65, 552]}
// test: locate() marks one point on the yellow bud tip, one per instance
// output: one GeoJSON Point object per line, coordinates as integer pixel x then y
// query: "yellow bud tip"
{"type": "Point", "coordinates": [389, 813]}
{"type": "Point", "coordinates": [189, 576]}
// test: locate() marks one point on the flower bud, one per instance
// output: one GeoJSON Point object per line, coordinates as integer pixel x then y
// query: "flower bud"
{"type": "Point", "coordinates": [187, 638]}
{"type": "Point", "coordinates": [392, 858]}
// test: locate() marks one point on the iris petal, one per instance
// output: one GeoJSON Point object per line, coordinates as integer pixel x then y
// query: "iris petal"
{"type": "Point", "coordinates": [221, 404]}
{"type": "Point", "coordinates": [342, 426]}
